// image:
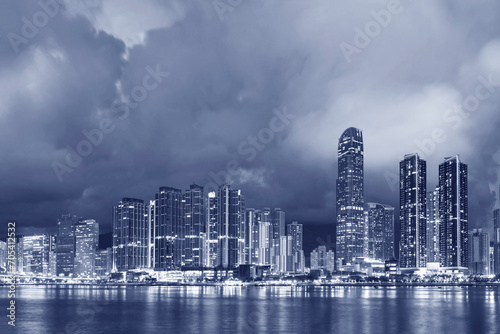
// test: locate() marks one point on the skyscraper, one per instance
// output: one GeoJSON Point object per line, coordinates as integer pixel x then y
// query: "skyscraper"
{"type": "Point", "coordinates": [412, 212]}
{"type": "Point", "coordinates": [279, 226]}
{"type": "Point", "coordinates": [194, 219]}
{"type": "Point", "coordinates": [130, 235]}
{"type": "Point", "coordinates": [265, 243]}
{"type": "Point", "coordinates": [211, 256]}
{"type": "Point", "coordinates": [169, 228]}
{"type": "Point", "coordinates": [433, 226]}
{"type": "Point", "coordinates": [230, 227]}
{"type": "Point", "coordinates": [87, 244]}
{"type": "Point", "coordinates": [479, 252]}
{"type": "Point", "coordinates": [350, 202]}
{"type": "Point", "coordinates": [380, 231]}
{"type": "Point", "coordinates": [296, 232]}
{"type": "Point", "coordinates": [496, 240]}
{"type": "Point", "coordinates": [453, 213]}
{"type": "Point", "coordinates": [65, 244]}
{"type": "Point", "coordinates": [252, 219]}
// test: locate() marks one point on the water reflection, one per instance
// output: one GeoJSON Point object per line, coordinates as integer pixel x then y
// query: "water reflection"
{"type": "Point", "coordinates": [232, 309]}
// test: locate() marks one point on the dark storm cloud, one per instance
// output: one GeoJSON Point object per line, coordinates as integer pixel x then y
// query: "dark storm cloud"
{"type": "Point", "coordinates": [226, 82]}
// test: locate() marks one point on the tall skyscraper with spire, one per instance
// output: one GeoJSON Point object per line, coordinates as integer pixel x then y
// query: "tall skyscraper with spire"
{"type": "Point", "coordinates": [413, 211]}
{"type": "Point", "coordinates": [350, 201]}
{"type": "Point", "coordinates": [453, 213]}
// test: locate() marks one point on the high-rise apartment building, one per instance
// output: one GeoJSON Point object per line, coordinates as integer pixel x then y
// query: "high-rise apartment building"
{"type": "Point", "coordinates": [412, 212]}
{"type": "Point", "coordinates": [194, 220]}
{"type": "Point", "coordinates": [296, 232]}
{"type": "Point", "coordinates": [169, 229]}
{"type": "Point", "coordinates": [230, 227]}
{"type": "Point", "coordinates": [433, 226]}
{"type": "Point", "coordinates": [453, 213]}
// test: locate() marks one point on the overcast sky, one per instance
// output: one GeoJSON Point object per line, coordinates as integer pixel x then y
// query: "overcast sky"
{"type": "Point", "coordinates": [174, 92]}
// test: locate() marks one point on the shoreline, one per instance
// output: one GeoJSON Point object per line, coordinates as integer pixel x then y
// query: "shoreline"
{"type": "Point", "coordinates": [269, 284]}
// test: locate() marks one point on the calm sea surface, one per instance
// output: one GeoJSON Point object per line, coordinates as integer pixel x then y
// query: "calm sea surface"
{"type": "Point", "coordinates": [210, 310]}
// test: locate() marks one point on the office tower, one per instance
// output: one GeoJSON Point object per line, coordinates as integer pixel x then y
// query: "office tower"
{"type": "Point", "coordinates": [87, 244]}
{"type": "Point", "coordinates": [479, 252]}
{"type": "Point", "coordinates": [130, 235]}
{"type": "Point", "coordinates": [103, 262]}
{"type": "Point", "coordinates": [321, 259]}
{"type": "Point", "coordinates": [265, 243]}
{"type": "Point", "coordinates": [412, 213]}
{"type": "Point", "coordinates": [194, 220]}
{"type": "Point", "coordinates": [3, 256]}
{"type": "Point", "coordinates": [453, 213]}
{"type": "Point", "coordinates": [65, 245]}
{"type": "Point", "coordinates": [212, 241]}
{"type": "Point", "coordinates": [230, 227]}
{"type": "Point", "coordinates": [169, 228]}
{"type": "Point", "coordinates": [380, 231]}
{"type": "Point", "coordinates": [433, 226]}
{"type": "Point", "coordinates": [295, 231]}
{"type": "Point", "coordinates": [350, 202]}
{"type": "Point", "coordinates": [36, 251]}
{"type": "Point", "coordinates": [496, 240]}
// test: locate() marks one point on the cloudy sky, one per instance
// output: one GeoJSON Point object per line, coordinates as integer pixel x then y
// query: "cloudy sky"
{"type": "Point", "coordinates": [107, 99]}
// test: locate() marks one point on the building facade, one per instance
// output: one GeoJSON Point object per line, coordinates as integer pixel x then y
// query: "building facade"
{"type": "Point", "coordinates": [36, 251]}
{"type": "Point", "coordinates": [453, 213]}
{"type": "Point", "coordinates": [479, 252]}
{"type": "Point", "coordinates": [350, 196]}
{"type": "Point", "coordinates": [169, 229]}
{"type": "Point", "coordinates": [296, 232]}
{"type": "Point", "coordinates": [321, 259]}
{"type": "Point", "coordinates": [86, 247]}
{"type": "Point", "coordinates": [130, 235]}
{"type": "Point", "coordinates": [65, 245]}
{"type": "Point", "coordinates": [194, 219]}
{"type": "Point", "coordinates": [496, 241]}
{"type": "Point", "coordinates": [230, 222]}
{"type": "Point", "coordinates": [350, 200]}
{"type": "Point", "coordinates": [379, 226]}
{"type": "Point", "coordinates": [433, 226]}
{"type": "Point", "coordinates": [412, 211]}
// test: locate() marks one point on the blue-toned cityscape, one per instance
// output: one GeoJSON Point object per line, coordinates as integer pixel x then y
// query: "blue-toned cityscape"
{"type": "Point", "coordinates": [195, 237]}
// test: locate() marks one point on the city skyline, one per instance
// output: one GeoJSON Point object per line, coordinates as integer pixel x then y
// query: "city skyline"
{"type": "Point", "coordinates": [194, 122]}
{"type": "Point", "coordinates": [267, 166]}
{"type": "Point", "coordinates": [192, 228]}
